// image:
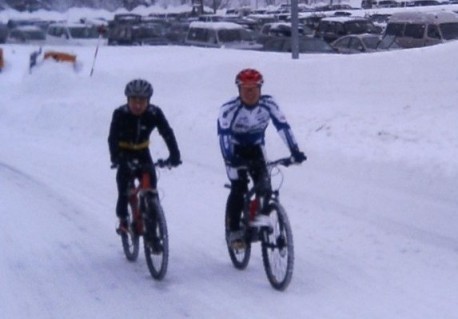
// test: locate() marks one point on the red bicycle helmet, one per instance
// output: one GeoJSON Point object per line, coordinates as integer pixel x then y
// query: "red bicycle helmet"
{"type": "Point", "coordinates": [249, 76]}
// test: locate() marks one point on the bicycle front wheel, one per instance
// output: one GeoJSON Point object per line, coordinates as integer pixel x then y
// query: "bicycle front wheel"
{"type": "Point", "coordinates": [240, 256]}
{"type": "Point", "coordinates": [278, 249]}
{"type": "Point", "coordinates": [130, 239]}
{"type": "Point", "coordinates": [156, 238]}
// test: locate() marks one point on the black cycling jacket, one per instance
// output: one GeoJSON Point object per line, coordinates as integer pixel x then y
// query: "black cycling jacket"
{"type": "Point", "coordinates": [130, 133]}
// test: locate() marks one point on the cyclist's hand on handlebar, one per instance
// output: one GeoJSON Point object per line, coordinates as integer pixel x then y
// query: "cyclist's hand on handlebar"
{"type": "Point", "coordinates": [174, 161]}
{"type": "Point", "coordinates": [116, 160]}
{"type": "Point", "coordinates": [168, 162]}
{"type": "Point", "coordinates": [298, 156]}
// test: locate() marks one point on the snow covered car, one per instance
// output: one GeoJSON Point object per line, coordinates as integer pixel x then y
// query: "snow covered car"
{"type": "Point", "coordinates": [72, 33]}
{"type": "Point", "coordinates": [282, 29]}
{"type": "Point", "coordinates": [332, 28]}
{"type": "Point", "coordinates": [3, 32]}
{"type": "Point", "coordinates": [358, 43]}
{"type": "Point", "coordinates": [220, 35]}
{"type": "Point", "coordinates": [419, 29]}
{"type": "Point", "coordinates": [152, 33]}
{"type": "Point", "coordinates": [306, 45]}
{"type": "Point", "coordinates": [2, 62]}
{"type": "Point", "coordinates": [28, 34]}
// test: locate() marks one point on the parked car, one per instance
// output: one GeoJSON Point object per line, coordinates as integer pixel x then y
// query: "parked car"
{"type": "Point", "coordinates": [306, 45]}
{"type": "Point", "coordinates": [3, 32]}
{"type": "Point", "coordinates": [122, 18]}
{"type": "Point", "coordinates": [281, 29]}
{"type": "Point", "coordinates": [29, 5]}
{"type": "Point", "coordinates": [386, 4]}
{"type": "Point", "coordinates": [334, 7]}
{"type": "Point", "coordinates": [380, 20]}
{"type": "Point", "coordinates": [2, 62]}
{"type": "Point", "coordinates": [120, 29]}
{"type": "Point", "coordinates": [27, 35]}
{"type": "Point", "coordinates": [367, 4]}
{"type": "Point", "coordinates": [418, 29]}
{"type": "Point", "coordinates": [332, 28]}
{"type": "Point", "coordinates": [284, 29]}
{"type": "Point", "coordinates": [42, 24]}
{"type": "Point", "coordinates": [177, 31]}
{"type": "Point", "coordinates": [72, 33]}
{"type": "Point", "coordinates": [422, 3]}
{"type": "Point", "coordinates": [311, 19]}
{"type": "Point", "coordinates": [150, 33]}
{"type": "Point", "coordinates": [220, 35]}
{"type": "Point", "coordinates": [134, 29]}
{"type": "Point", "coordinates": [358, 43]}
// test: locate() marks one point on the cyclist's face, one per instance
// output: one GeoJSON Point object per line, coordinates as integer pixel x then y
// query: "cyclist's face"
{"type": "Point", "coordinates": [250, 93]}
{"type": "Point", "coordinates": [137, 105]}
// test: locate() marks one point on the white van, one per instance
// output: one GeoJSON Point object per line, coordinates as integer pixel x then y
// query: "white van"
{"type": "Point", "coordinates": [72, 33]}
{"type": "Point", "coordinates": [220, 35]}
{"type": "Point", "coordinates": [419, 29]}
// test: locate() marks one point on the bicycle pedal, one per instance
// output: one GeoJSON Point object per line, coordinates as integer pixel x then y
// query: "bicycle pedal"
{"type": "Point", "coordinates": [238, 245]}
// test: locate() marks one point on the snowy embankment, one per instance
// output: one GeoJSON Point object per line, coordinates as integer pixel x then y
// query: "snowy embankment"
{"type": "Point", "coordinates": [373, 209]}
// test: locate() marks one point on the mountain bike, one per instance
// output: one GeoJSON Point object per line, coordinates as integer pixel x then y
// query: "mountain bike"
{"type": "Point", "coordinates": [276, 239]}
{"type": "Point", "coordinates": [146, 219]}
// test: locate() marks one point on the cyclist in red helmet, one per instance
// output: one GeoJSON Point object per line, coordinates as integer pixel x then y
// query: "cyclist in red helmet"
{"type": "Point", "coordinates": [241, 128]}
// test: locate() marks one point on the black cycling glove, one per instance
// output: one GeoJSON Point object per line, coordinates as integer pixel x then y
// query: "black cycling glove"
{"type": "Point", "coordinates": [174, 160]}
{"type": "Point", "coordinates": [298, 156]}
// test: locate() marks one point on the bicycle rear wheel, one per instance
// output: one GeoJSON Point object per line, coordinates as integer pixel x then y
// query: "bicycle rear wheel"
{"type": "Point", "coordinates": [130, 239]}
{"type": "Point", "coordinates": [278, 249]}
{"type": "Point", "coordinates": [156, 239]}
{"type": "Point", "coordinates": [240, 256]}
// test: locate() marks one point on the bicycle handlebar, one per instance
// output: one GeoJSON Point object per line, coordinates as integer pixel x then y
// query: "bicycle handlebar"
{"type": "Point", "coordinates": [162, 163]}
{"type": "Point", "coordinates": [134, 164]}
{"type": "Point", "coordinates": [285, 161]}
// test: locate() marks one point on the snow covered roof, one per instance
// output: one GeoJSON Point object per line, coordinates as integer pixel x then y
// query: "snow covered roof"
{"type": "Point", "coordinates": [215, 25]}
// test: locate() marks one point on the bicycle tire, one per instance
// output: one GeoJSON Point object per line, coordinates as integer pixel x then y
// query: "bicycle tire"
{"type": "Point", "coordinates": [156, 238]}
{"type": "Point", "coordinates": [278, 249]}
{"type": "Point", "coordinates": [239, 257]}
{"type": "Point", "coordinates": [130, 239]}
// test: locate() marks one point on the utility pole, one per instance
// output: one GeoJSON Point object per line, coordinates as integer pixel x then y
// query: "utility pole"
{"type": "Point", "coordinates": [295, 29]}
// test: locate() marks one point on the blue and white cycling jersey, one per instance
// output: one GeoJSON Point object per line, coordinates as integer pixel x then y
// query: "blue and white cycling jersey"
{"type": "Point", "coordinates": [238, 124]}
